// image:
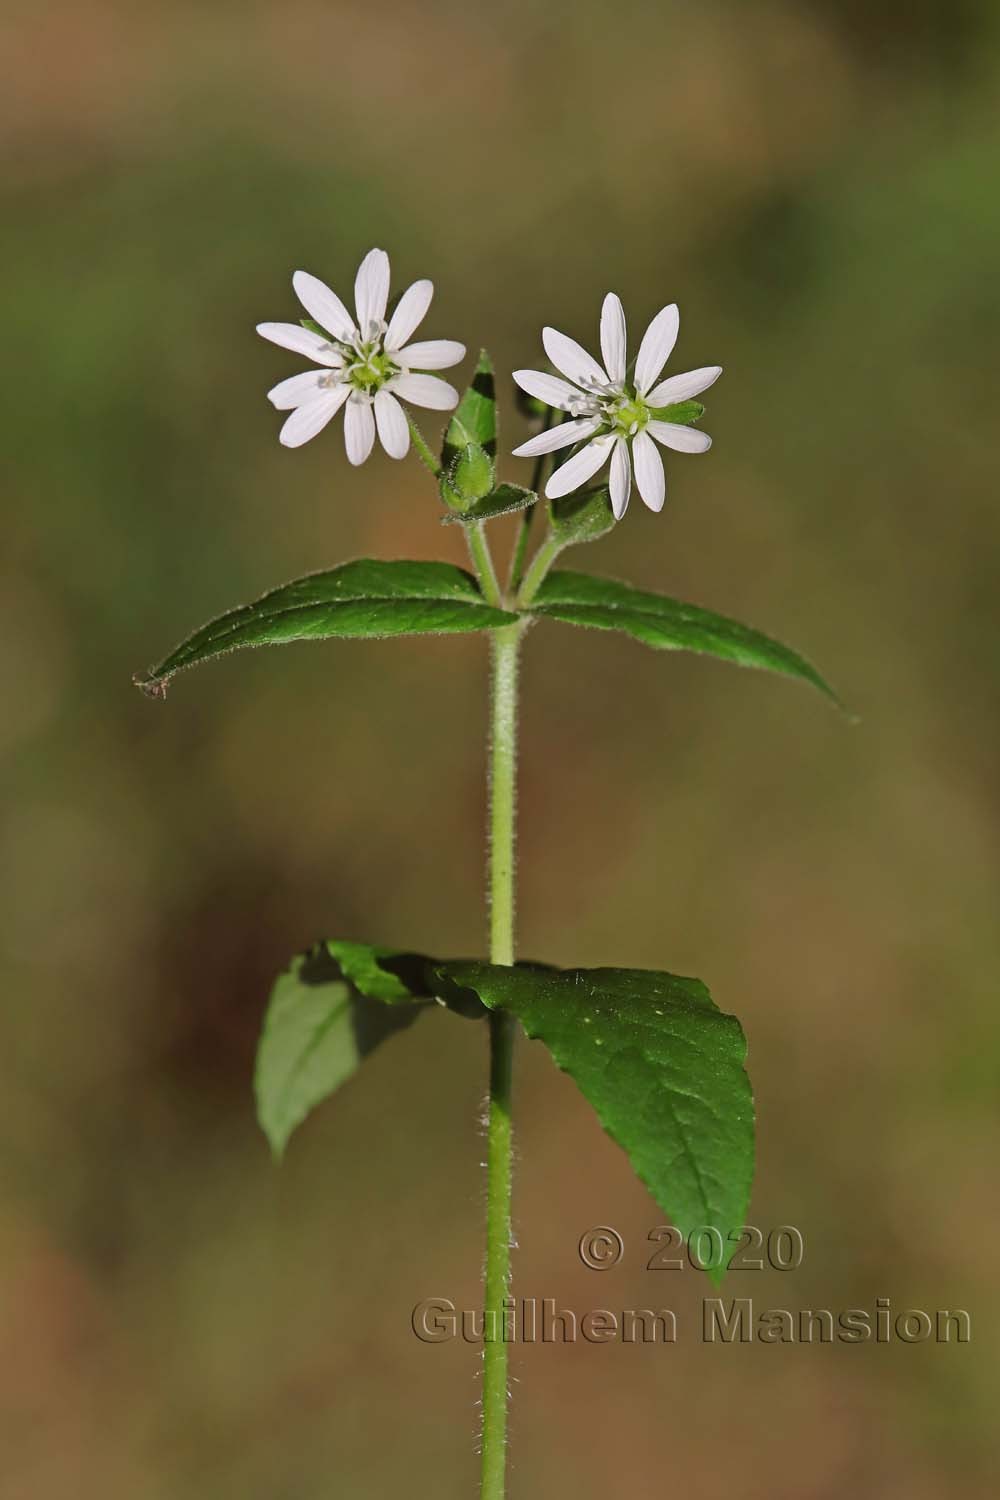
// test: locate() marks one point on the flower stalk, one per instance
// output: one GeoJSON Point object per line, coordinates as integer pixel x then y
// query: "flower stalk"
{"type": "Point", "coordinates": [482, 558]}
{"type": "Point", "coordinates": [519, 556]}
{"type": "Point", "coordinates": [540, 565]}
{"type": "Point", "coordinates": [422, 449]}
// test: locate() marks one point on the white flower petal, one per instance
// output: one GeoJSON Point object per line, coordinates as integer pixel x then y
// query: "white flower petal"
{"type": "Point", "coordinates": [323, 305]}
{"type": "Point", "coordinates": [572, 359]}
{"type": "Point", "coordinates": [411, 309]}
{"type": "Point", "coordinates": [550, 389]}
{"type": "Point", "coordinates": [371, 290]}
{"type": "Point", "coordinates": [432, 354]}
{"type": "Point", "coordinates": [681, 387]}
{"type": "Point", "coordinates": [558, 437]}
{"type": "Point", "coordinates": [676, 435]}
{"type": "Point", "coordinates": [657, 346]}
{"type": "Point", "coordinates": [359, 429]}
{"type": "Point", "coordinates": [302, 341]}
{"type": "Point", "coordinates": [621, 479]}
{"type": "Point", "coordinates": [425, 390]}
{"type": "Point", "coordinates": [578, 469]}
{"type": "Point", "coordinates": [393, 430]}
{"type": "Point", "coordinates": [306, 421]}
{"type": "Point", "coordinates": [613, 337]}
{"type": "Point", "coordinates": [648, 471]}
{"type": "Point", "coordinates": [297, 389]}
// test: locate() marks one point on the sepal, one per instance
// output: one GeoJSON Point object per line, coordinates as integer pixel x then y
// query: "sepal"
{"type": "Point", "coordinates": [582, 516]}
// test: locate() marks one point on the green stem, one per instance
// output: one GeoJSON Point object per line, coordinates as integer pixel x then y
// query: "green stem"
{"type": "Point", "coordinates": [503, 773]}
{"type": "Point", "coordinates": [524, 531]}
{"type": "Point", "coordinates": [521, 546]}
{"type": "Point", "coordinates": [423, 451]}
{"type": "Point", "coordinates": [482, 558]}
{"type": "Point", "coordinates": [540, 565]}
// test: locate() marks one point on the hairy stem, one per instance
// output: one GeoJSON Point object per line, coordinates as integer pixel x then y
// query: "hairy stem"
{"type": "Point", "coordinates": [423, 451]}
{"type": "Point", "coordinates": [482, 558]}
{"type": "Point", "coordinates": [540, 565]}
{"type": "Point", "coordinates": [503, 773]}
{"type": "Point", "coordinates": [524, 531]}
{"type": "Point", "coordinates": [521, 547]}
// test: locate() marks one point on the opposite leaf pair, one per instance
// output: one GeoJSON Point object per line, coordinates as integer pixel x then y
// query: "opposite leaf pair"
{"type": "Point", "coordinates": [371, 599]}
{"type": "Point", "coordinates": [660, 1064]}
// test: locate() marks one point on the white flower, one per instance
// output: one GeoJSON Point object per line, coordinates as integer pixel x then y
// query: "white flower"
{"type": "Point", "coordinates": [364, 365]}
{"type": "Point", "coordinates": [615, 416]}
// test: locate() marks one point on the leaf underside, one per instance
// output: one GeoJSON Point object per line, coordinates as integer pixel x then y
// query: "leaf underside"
{"type": "Point", "coordinates": [330, 1009]}
{"type": "Point", "coordinates": [502, 501]}
{"type": "Point", "coordinates": [361, 600]}
{"type": "Point", "coordinates": [659, 1063]}
{"type": "Point", "coordinates": [667, 624]}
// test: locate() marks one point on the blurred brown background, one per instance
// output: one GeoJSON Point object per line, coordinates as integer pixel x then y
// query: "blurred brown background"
{"type": "Point", "coordinates": [815, 183]}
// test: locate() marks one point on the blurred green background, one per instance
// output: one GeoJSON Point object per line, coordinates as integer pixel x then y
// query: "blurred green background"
{"type": "Point", "coordinates": [815, 183]}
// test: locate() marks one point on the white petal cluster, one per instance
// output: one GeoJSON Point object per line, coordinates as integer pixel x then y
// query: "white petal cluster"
{"type": "Point", "coordinates": [366, 365]}
{"type": "Point", "coordinates": [614, 416]}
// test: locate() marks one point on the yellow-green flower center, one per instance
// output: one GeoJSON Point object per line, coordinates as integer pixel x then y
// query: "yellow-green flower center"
{"type": "Point", "coordinates": [370, 370]}
{"type": "Point", "coordinates": [627, 414]}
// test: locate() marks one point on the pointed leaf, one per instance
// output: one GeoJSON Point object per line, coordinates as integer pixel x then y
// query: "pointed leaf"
{"type": "Point", "coordinates": [360, 600]}
{"type": "Point", "coordinates": [663, 1068]}
{"type": "Point", "coordinates": [667, 624]}
{"type": "Point", "coordinates": [475, 418]}
{"type": "Point", "coordinates": [503, 501]}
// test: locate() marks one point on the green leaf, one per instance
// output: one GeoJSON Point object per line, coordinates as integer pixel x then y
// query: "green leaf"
{"type": "Point", "coordinates": [359, 600]}
{"type": "Point", "coordinates": [682, 412]}
{"type": "Point", "coordinates": [582, 516]}
{"type": "Point", "coordinates": [661, 1065]}
{"type": "Point", "coordinates": [667, 624]}
{"type": "Point", "coordinates": [327, 1012]}
{"type": "Point", "coordinates": [475, 418]}
{"type": "Point", "coordinates": [379, 973]}
{"type": "Point", "coordinates": [503, 501]}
